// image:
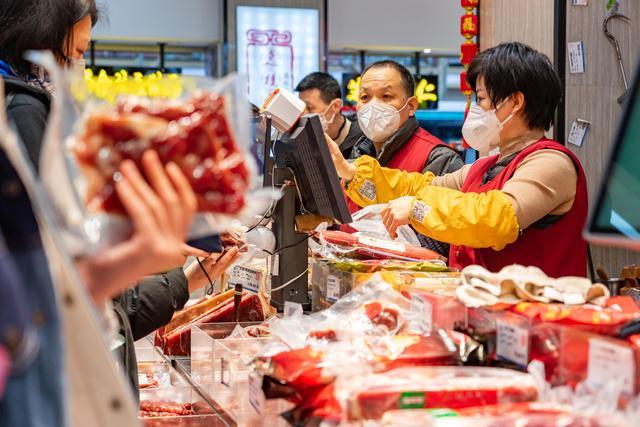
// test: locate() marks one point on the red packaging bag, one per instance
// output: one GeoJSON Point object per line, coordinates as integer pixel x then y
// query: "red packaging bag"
{"type": "Point", "coordinates": [435, 387]}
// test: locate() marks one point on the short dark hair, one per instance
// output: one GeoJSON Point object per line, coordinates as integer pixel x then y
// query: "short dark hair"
{"type": "Point", "coordinates": [407, 79]}
{"type": "Point", "coordinates": [515, 67]}
{"type": "Point", "coordinates": [327, 85]}
{"type": "Point", "coordinates": [39, 25]}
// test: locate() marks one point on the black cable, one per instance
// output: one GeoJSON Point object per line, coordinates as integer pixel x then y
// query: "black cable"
{"type": "Point", "coordinates": [209, 290]}
{"type": "Point", "coordinates": [277, 251]}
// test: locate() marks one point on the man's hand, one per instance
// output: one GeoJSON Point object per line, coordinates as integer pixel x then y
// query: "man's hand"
{"type": "Point", "coordinates": [215, 265]}
{"type": "Point", "coordinates": [345, 169]}
{"type": "Point", "coordinates": [397, 213]}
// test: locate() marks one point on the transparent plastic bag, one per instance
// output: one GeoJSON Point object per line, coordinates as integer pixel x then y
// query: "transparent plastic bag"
{"type": "Point", "coordinates": [368, 221]}
{"type": "Point", "coordinates": [87, 138]}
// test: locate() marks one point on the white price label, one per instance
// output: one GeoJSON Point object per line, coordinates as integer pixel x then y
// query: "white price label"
{"type": "Point", "coordinates": [579, 2]}
{"type": "Point", "coordinates": [248, 277]}
{"type": "Point", "coordinates": [424, 309]}
{"type": "Point", "coordinates": [512, 343]}
{"type": "Point", "coordinates": [292, 309]}
{"type": "Point", "coordinates": [256, 395]}
{"type": "Point", "coordinates": [576, 57]}
{"type": "Point", "coordinates": [382, 244]}
{"type": "Point", "coordinates": [333, 288]}
{"type": "Point", "coordinates": [610, 362]}
{"type": "Point", "coordinates": [578, 132]}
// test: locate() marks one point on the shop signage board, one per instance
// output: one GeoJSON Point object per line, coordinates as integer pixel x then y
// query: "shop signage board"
{"type": "Point", "coordinates": [276, 47]}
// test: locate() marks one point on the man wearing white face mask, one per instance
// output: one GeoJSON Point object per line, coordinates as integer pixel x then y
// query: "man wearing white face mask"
{"type": "Point", "coordinates": [386, 113]}
{"type": "Point", "coordinates": [322, 95]}
{"type": "Point", "coordinates": [527, 205]}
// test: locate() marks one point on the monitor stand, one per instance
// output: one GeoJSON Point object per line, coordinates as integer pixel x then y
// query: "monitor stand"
{"type": "Point", "coordinates": [291, 262]}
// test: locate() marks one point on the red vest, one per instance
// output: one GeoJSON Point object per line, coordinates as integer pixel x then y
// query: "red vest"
{"type": "Point", "coordinates": [412, 157]}
{"type": "Point", "coordinates": [559, 250]}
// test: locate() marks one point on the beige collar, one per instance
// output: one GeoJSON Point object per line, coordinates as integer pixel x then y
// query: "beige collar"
{"type": "Point", "coordinates": [520, 143]}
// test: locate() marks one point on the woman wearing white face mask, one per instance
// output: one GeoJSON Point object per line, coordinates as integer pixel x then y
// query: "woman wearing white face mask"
{"type": "Point", "coordinates": [525, 205]}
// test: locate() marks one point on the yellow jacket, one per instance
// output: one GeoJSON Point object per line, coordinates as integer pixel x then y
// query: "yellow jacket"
{"type": "Point", "coordinates": [477, 220]}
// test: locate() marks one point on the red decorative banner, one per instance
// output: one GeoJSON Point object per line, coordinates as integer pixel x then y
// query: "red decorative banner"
{"type": "Point", "coordinates": [469, 49]}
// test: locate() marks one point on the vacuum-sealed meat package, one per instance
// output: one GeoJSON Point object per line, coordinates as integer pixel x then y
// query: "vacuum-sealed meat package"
{"type": "Point", "coordinates": [434, 387]}
{"type": "Point", "coordinates": [201, 125]}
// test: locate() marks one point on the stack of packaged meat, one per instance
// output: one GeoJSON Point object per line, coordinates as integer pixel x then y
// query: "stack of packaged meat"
{"type": "Point", "coordinates": [175, 338]}
{"type": "Point", "coordinates": [372, 329]}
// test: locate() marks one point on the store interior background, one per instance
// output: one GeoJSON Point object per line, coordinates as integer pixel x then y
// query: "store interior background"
{"type": "Point", "coordinates": [197, 37]}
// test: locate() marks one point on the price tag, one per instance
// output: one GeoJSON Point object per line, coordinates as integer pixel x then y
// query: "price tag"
{"type": "Point", "coordinates": [579, 2]}
{"type": "Point", "coordinates": [610, 362]}
{"type": "Point", "coordinates": [578, 132]}
{"type": "Point", "coordinates": [333, 288]}
{"type": "Point", "coordinates": [248, 277]}
{"type": "Point", "coordinates": [382, 244]}
{"type": "Point", "coordinates": [424, 309]}
{"type": "Point", "coordinates": [512, 343]}
{"type": "Point", "coordinates": [292, 309]}
{"type": "Point", "coordinates": [576, 57]}
{"type": "Point", "coordinates": [256, 395]}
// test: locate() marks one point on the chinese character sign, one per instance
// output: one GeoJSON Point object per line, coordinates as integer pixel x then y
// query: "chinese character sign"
{"type": "Point", "coordinates": [276, 47]}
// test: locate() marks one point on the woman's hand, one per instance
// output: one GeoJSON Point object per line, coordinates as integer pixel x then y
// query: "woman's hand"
{"type": "Point", "coordinates": [215, 265]}
{"type": "Point", "coordinates": [161, 211]}
{"type": "Point", "coordinates": [345, 169]}
{"type": "Point", "coordinates": [397, 213]}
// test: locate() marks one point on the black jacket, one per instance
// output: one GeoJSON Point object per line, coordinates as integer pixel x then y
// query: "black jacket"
{"type": "Point", "coordinates": [145, 308]}
{"type": "Point", "coordinates": [28, 108]}
{"type": "Point", "coordinates": [354, 135]}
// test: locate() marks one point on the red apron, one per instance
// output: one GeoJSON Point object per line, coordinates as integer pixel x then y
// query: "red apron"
{"type": "Point", "coordinates": [559, 250]}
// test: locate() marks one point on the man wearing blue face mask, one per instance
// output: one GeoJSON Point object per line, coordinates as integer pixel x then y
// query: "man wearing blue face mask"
{"type": "Point", "coordinates": [386, 114]}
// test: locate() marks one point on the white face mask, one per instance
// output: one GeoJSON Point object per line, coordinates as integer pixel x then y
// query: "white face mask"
{"type": "Point", "coordinates": [76, 67]}
{"type": "Point", "coordinates": [323, 120]}
{"type": "Point", "coordinates": [482, 128]}
{"type": "Point", "coordinates": [378, 120]}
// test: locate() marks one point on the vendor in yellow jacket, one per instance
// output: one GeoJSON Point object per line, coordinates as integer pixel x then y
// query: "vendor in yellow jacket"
{"type": "Point", "coordinates": [526, 205]}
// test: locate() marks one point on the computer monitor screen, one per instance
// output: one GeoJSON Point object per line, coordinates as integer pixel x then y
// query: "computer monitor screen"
{"type": "Point", "coordinates": [616, 216]}
{"type": "Point", "coordinates": [304, 150]}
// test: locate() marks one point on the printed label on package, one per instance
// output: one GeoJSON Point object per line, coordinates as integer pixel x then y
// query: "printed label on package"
{"type": "Point", "coordinates": [610, 362]}
{"type": "Point", "coordinates": [249, 278]}
{"type": "Point", "coordinates": [576, 57]}
{"type": "Point", "coordinates": [424, 308]}
{"type": "Point", "coordinates": [382, 244]}
{"type": "Point", "coordinates": [512, 343]}
{"type": "Point", "coordinates": [412, 400]}
{"type": "Point", "coordinates": [256, 395]}
{"type": "Point", "coordinates": [333, 288]}
{"type": "Point", "coordinates": [292, 309]}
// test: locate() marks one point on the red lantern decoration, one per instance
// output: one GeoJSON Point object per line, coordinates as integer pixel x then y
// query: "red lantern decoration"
{"type": "Point", "coordinates": [464, 84]}
{"type": "Point", "coordinates": [468, 51]}
{"type": "Point", "coordinates": [469, 4]}
{"type": "Point", "coordinates": [469, 26]}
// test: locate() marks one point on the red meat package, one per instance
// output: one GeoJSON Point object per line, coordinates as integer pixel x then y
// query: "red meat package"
{"type": "Point", "coordinates": [434, 387]}
{"type": "Point", "coordinates": [203, 127]}
{"type": "Point", "coordinates": [175, 338]}
{"type": "Point", "coordinates": [361, 246]}
{"type": "Point", "coordinates": [194, 134]}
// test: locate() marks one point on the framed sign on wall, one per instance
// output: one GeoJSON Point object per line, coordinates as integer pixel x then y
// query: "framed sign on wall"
{"type": "Point", "coordinates": [276, 47]}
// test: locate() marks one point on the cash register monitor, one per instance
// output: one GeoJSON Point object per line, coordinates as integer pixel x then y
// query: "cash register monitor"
{"type": "Point", "coordinates": [305, 152]}
{"type": "Point", "coordinates": [615, 219]}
